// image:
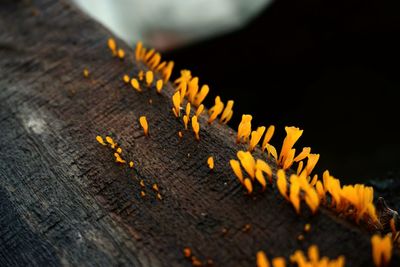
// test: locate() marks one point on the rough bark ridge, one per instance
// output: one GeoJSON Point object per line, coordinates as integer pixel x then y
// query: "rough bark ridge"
{"type": "Point", "coordinates": [63, 199]}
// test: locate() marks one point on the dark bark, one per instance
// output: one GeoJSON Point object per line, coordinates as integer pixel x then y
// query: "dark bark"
{"type": "Point", "coordinates": [63, 199]}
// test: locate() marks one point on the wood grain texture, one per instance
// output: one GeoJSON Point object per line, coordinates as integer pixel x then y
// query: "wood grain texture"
{"type": "Point", "coordinates": [63, 199]}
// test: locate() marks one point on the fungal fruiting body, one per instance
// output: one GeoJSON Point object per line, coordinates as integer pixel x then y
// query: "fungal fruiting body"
{"type": "Point", "coordinates": [85, 72]}
{"type": "Point", "coordinates": [187, 252]}
{"type": "Point", "coordinates": [112, 46]}
{"type": "Point", "coordinates": [159, 86]}
{"type": "Point", "coordinates": [210, 162]}
{"type": "Point", "coordinates": [268, 137]}
{"type": "Point", "coordinates": [254, 168]}
{"type": "Point", "coordinates": [135, 85]}
{"type": "Point", "coordinates": [121, 53]}
{"type": "Point", "coordinates": [196, 127]}
{"type": "Point", "coordinates": [144, 124]}
{"type": "Point", "coordinates": [131, 164]}
{"type": "Point", "coordinates": [227, 113]}
{"type": "Point", "coordinates": [381, 250]}
{"type": "Point", "coordinates": [313, 259]}
{"type": "Point", "coordinates": [201, 95]}
{"type": "Point", "coordinates": [149, 77]}
{"type": "Point", "coordinates": [199, 110]}
{"type": "Point", "coordinates": [100, 140]}
{"type": "Point", "coordinates": [215, 110]}
{"type": "Point", "coordinates": [111, 142]}
{"type": "Point", "coordinates": [126, 78]}
{"type": "Point", "coordinates": [244, 129]}
{"type": "Point", "coordinates": [176, 101]}
{"type": "Point", "coordinates": [256, 137]}
{"type": "Point", "coordinates": [262, 260]}
{"type": "Point", "coordinates": [118, 158]}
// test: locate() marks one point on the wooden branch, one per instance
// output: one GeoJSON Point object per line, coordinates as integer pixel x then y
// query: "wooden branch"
{"type": "Point", "coordinates": [65, 201]}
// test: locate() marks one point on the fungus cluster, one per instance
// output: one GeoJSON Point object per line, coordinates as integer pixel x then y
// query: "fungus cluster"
{"type": "Point", "coordinates": [312, 259]}
{"type": "Point", "coordinates": [381, 250]}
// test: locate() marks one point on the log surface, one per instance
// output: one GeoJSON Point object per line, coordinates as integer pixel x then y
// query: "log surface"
{"type": "Point", "coordinates": [64, 200]}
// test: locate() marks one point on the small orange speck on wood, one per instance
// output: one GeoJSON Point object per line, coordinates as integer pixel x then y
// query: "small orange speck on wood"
{"type": "Point", "coordinates": [121, 53]}
{"type": "Point", "coordinates": [126, 78]}
{"type": "Point", "coordinates": [187, 252]}
{"type": "Point", "coordinates": [85, 72]}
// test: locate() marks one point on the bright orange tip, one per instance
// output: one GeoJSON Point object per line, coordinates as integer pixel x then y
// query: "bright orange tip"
{"type": "Point", "coordinates": [196, 127]}
{"type": "Point", "coordinates": [85, 72]}
{"type": "Point", "coordinates": [131, 164]}
{"type": "Point", "coordinates": [149, 77]}
{"type": "Point", "coordinates": [121, 53]}
{"type": "Point", "coordinates": [159, 86]}
{"type": "Point", "coordinates": [112, 46]}
{"type": "Point", "coordinates": [144, 124]}
{"type": "Point", "coordinates": [126, 78]}
{"type": "Point", "coordinates": [135, 85]}
{"type": "Point", "coordinates": [248, 185]}
{"type": "Point", "coordinates": [210, 162]}
{"type": "Point", "coordinates": [262, 260]}
{"type": "Point", "coordinates": [100, 140]}
{"type": "Point", "coordinates": [176, 100]}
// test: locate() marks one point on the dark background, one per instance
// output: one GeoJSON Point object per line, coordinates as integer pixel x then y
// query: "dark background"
{"type": "Point", "coordinates": [328, 67]}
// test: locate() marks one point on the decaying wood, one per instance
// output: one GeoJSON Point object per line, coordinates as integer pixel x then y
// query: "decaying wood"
{"type": "Point", "coordinates": [63, 199]}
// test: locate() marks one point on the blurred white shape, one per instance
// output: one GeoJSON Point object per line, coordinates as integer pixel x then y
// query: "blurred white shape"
{"type": "Point", "coordinates": [169, 23]}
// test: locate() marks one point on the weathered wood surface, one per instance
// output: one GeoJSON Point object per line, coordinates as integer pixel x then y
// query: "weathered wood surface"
{"type": "Point", "coordinates": [63, 199]}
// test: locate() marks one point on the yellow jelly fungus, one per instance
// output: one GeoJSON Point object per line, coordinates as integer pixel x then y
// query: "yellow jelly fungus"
{"type": "Point", "coordinates": [185, 121]}
{"type": "Point", "coordinates": [160, 66]}
{"type": "Point", "coordinates": [121, 53]}
{"type": "Point", "coordinates": [307, 227]}
{"type": "Point", "coordinates": [227, 113]}
{"type": "Point", "coordinates": [176, 100]}
{"type": "Point", "coordinates": [155, 187]}
{"type": "Point", "coordinates": [236, 169]}
{"type": "Point", "coordinates": [278, 262]}
{"type": "Point", "coordinates": [180, 134]}
{"type": "Point", "coordinates": [295, 195]}
{"type": "Point", "coordinates": [119, 150]}
{"type": "Point", "coordinates": [244, 129]}
{"type": "Point", "coordinates": [112, 45]}
{"type": "Point", "coordinates": [320, 190]}
{"type": "Point", "coordinates": [248, 185]}
{"type": "Point", "coordinates": [148, 55]}
{"type": "Point", "coordinates": [201, 95]}
{"type": "Point", "coordinates": [186, 75]}
{"type": "Point", "coordinates": [138, 50]}
{"type": "Point", "coordinates": [381, 250]}
{"type": "Point", "coordinates": [159, 86]}
{"type": "Point", "coordinates": [118, 158]}
{"type": "Point", "coordinates": [142, 194]}
{"type": "Point", "coordinates": [135, 85]}
{"type": "Point", "coordinates": [196, 127]}
{"type": "Point", "coordinates": [264, 167]}
{"type": "Point", "coordinates": [199, 110]}
{"type": "Point", "coordinates": [267, 137]}
{"type": "Point", "coordinates": [312, 199]}
{"type": "Point", "coordinates": [311, 162]}
{"type": "Point", "coordinates": [210, 162]}
{"type": "Point", "coordinates": [159, 196]}
{"type": "Point", "coordinates": [183, 88]}
{"type": "Point", "coordinates": [126, 78]}
{"type": "Point", "coordinates": [256, 137]}
{"type": "Point", "coordinates": [141, 183]}
{"type": "Point", "coordinates": [167, 71]}
{"type": "Point", "coordinates": [187, 252]}
{"type": "Point", "coordinates": [314, 259]}
{"type": "Point", "coordinates": [287, 163]}
{"type": "Point", "coordinates": [272, 151]}
{"type": "Point", "coordinates": [149, 77]}
{"type": "Point", "coordinates": [299, 168]}
{"type": "Point", "coordinates": [193, 89]}
{"type": "Point", "coordinates": [292, 135]}
{"type": "Point", "coordinates": [262, 260]}
{"type": "Point", "coordinates": [100, 140]}
{"type": "Point", "coordinates": [188, 109]}
{"type": "Point", "coordinates": [131, 164]}
{"type": "Point", "coordinates": [282, 183]}
{"type": "Point", "coordinates": [248, 162]}
{"type": "Point", "coordinates": [260, 178]}
{"type": "Point", "coordinates": [85, 72]}
{"type": "Point", "coordinates": [111, 142]}
{"type": "Point", "coordinates": [141, 75]}
{"type": "Point", "coordinates": [215, 110]}
{"type": "Point", "coordinates": [154, 61]}
{"type": "Point", "coordinates": [144, 124]}
{"type": "Point", "coordinates": [303, 154]}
